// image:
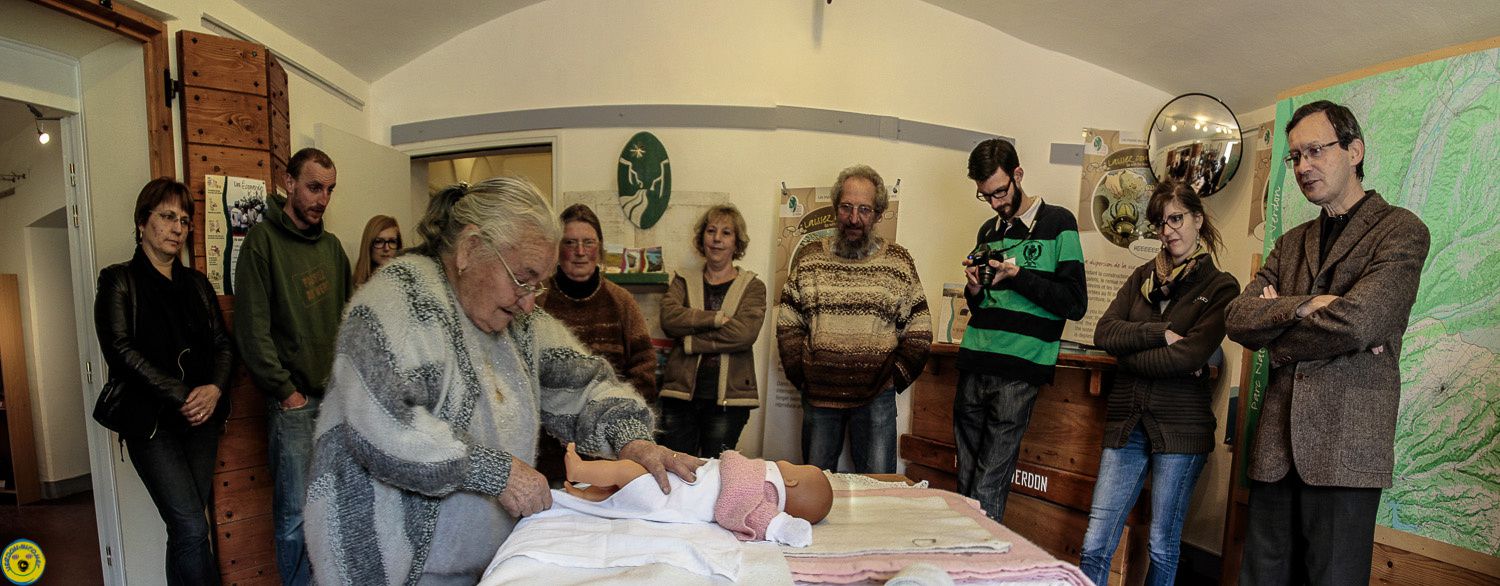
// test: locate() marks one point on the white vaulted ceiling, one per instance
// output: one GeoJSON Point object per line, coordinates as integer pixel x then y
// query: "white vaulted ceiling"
{"type": "Point", "coordinates": [1242, 52]}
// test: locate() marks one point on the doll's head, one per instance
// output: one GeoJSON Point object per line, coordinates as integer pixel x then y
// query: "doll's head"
{"type": "Point", "coordinates": [808, 493]}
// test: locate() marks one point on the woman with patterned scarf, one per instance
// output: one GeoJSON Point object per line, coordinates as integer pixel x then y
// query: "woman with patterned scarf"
{"type": "Point", "coordinates": [1164, 326]}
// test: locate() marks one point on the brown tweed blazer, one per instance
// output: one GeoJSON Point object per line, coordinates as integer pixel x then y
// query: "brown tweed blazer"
{"type": "Point", "coordinates": [1330, 408]}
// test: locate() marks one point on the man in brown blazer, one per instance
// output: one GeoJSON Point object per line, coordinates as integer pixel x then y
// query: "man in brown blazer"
{"type": "Point", "coordinates": [1330, 306]}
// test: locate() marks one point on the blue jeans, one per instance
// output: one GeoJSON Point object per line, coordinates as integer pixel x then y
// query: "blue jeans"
{"type": "Point", "coordinates": [1122, 471]}
{"type": "Point", "coordinates": [990, 414]}
{"type": "Point", "coordinates": [701, 428]}
{"type": "Point", "coordinates": [871, 429]}
{"type": "Point", "coordinates": [177, 467]}
{"type": "Point", "coordinates": [291, 446]}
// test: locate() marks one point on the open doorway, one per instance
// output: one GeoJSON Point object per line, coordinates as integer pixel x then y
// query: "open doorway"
{"type": "Point", "coordinates": [532, 162]}
{"type": "Point", "coordinates": [35, 247]}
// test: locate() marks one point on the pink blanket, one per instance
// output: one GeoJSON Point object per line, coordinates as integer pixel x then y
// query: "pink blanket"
{"type": "Point", "coordinates": [1025, 562]}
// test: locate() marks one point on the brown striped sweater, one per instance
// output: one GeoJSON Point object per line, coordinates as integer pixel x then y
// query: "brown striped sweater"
{"type": "Point", "coordinates": [849, 329]}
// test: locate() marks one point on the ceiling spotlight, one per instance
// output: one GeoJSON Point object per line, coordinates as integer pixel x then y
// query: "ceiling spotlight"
{"type": "Point", "coordinates": [1174, 128]}
{"type": "Point", "coordinates": [41, 135]}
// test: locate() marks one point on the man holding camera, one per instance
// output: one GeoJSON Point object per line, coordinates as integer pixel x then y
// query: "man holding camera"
{"type": "Point", "coordinates": [1025, 278]}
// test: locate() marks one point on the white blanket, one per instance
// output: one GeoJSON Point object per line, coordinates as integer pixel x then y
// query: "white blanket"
{"type": "Point", "coordinates": [861, 524]}
{"type": "Point", "coordinates": [561, 547]}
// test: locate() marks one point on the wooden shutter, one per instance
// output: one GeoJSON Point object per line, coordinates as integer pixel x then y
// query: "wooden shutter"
{"type": "Point", "coordinates": [234, 122]}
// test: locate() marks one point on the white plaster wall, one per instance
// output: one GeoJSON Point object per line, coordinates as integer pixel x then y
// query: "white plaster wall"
{"type": "Point", "coordinates": [53, 349]}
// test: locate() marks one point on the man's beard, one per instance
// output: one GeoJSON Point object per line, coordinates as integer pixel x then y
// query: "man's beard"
{"type": "Point", "coordinates": [858, 248]}
{"type": "Point", "coordinates": [1006, 213]}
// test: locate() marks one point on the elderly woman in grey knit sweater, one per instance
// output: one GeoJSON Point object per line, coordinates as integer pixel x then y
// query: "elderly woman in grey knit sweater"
{"type": "Point", "coordinates": [442, 379]}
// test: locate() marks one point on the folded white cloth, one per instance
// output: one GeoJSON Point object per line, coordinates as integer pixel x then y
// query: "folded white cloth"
{"type": "Point", "coordinates": [921, 574]}
{"type": "Point", "coordinates": [567, 538]}
{"type": "Point", "coordinates": [863, 524]}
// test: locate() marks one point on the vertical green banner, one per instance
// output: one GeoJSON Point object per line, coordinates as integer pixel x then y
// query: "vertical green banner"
{"type": "Point", "coordinates": [1260, 363]}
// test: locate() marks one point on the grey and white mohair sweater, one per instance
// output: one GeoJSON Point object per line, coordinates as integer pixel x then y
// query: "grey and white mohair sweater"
{"type": "Point", "coordinates": [422, 415]}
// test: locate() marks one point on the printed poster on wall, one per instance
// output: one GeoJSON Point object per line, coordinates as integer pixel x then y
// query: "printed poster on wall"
{"type": "Point", "coordinates": [1260, 153]}
{"type": "Point", "coordinates": [1116, 237]}
{"type": "Point", "coordinates": [805, 215]}
{"type": "Point", "coordinates": [232, 205]}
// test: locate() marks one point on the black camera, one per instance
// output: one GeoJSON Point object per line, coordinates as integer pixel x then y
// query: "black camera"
{"type": "Point", "coordinates": [981, 258]}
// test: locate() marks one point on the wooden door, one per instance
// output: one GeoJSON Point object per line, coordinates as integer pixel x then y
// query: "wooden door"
{"type": "Point", "coordinates": [235, 122]}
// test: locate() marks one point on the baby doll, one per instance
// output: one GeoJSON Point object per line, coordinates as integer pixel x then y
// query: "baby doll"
{"type": "Point", "coordinates": [754, 499]}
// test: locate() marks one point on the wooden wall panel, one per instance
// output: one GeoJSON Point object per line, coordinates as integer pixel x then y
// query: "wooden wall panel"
{"type": "Point", "coordinates": [242, 494]}
{"type": "Point", "coordinates": [229, 90]}
{"type": "Point", "coordinates": [244, 443]}
{"type": "Point", "coordinates": [215, 62]}
{"type": "Point", "coordinates": [223, 118]}
{"type": "Point", "coordinates": [219, 160]}
{"type": "Point", "coordinates": [258, 576]}
{"type": "Point", "coordinates": [245, 545]}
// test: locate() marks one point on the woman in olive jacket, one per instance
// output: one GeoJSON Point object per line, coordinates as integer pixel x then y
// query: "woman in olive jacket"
{"type": "Point", "coordinates": [709, 387]}
{"type": "Point", "coordinates": [1163, 327]}
{"type": "Point", "coordinates": [163, 336]}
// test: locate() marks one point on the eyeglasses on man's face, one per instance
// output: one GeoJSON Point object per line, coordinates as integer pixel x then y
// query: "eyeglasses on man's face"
{"type": "Point", "coordinates": [999, 192]}
{"type": "Point", "coordinates": [1313, 152]}
{"type": "Point", "coordinates": [172, 218]}
{"type": "Point", "coordinates": [385, 243]}
{"type": "Point", "coordinates": [849, 209]}
{"type": "Point", "coordinates": [526, 288]}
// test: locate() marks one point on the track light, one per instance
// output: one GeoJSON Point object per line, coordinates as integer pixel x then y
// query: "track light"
{"type": "Point", "coordinates": [41, 135]}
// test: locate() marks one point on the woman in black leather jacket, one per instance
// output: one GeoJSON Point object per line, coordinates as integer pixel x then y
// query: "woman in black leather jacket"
{"type": "Point", "coordinates": [163, 335]}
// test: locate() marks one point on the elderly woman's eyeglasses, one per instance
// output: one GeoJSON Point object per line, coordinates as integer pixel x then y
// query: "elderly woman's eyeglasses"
{"type": "Point", "coordinates": [385, 243]}
{"type": "Point", "coordinates": [526, 288]}
{"type": "Point", "coordinates": [172, 218]}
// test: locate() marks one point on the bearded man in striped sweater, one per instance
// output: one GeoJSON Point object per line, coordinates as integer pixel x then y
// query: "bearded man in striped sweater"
{"type": "Point", "coordinates": [853, 330]}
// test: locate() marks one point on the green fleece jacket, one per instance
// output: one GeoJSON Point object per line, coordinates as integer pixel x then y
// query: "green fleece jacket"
{"type": "Point", "coordinates": [290, 288]}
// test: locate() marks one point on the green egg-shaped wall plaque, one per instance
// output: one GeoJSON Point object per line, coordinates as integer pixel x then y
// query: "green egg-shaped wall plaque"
{"type": "Point", "coordinates": [645, 179]}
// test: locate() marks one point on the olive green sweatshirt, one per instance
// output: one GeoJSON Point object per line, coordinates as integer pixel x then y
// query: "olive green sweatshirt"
{"type": "Point", "coordinates": [290, 288]}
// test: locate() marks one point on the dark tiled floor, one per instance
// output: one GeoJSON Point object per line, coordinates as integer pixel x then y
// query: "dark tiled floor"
{"type": "Point", "coordinates": [64, 529]}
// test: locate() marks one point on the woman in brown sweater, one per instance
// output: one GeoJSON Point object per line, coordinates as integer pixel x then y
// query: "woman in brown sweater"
{"type": "Point", "coordinates": [1163, 327]}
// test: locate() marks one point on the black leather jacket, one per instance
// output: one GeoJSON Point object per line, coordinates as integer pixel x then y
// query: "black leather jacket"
{"type": "Point", "coordinates": [114, 321]}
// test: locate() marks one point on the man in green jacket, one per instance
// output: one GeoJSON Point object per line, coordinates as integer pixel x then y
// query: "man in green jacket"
{"type": "Point", "coordinates": [290, 287]}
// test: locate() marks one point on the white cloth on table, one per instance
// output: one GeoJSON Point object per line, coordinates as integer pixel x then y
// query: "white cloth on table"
{"type": "Point", "coordinates": [864, 524]}
{"type": "Point", "coordinates": [566, 538]}
{"type": "Point", "coordinates": [921, 574]}
{"type": "Point", "coordinates": [560, 547]}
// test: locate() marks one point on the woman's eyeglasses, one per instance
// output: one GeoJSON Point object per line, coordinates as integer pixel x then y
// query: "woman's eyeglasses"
{"type": "Point", "coordinates": [526, 288]}
{"type": "Point", "coordinates": [173, 218]}
{"type": "Point", "coordinates": [385, 243]}
{"type": "Point", "coordinates": [1173, 221]}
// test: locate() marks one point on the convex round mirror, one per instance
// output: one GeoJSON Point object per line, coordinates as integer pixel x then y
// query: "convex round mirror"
{"type": "Point", "coordinates": [1195, 139]}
